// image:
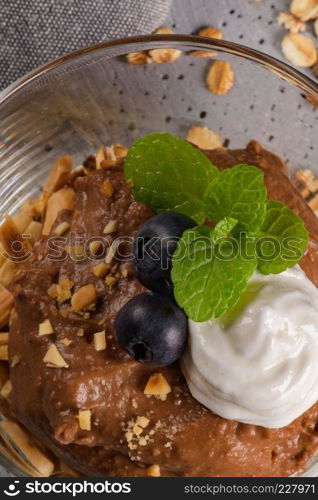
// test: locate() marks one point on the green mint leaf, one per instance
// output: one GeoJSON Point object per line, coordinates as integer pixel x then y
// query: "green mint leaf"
{"type": "Point", "coordinates": [169, 174]}
{"type": "Point", "coordinates": [224, 228]}
{"type": "Point", "coordinates": [238, 192]}
{"type": "Point", "coordinates": [282, 241]}
{"type": "Point", "coordinates": [209, 274]}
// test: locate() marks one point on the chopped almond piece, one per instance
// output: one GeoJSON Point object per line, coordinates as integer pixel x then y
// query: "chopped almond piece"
{"type": "Point", "coordinates": [142, 422]}
{"type": "Point", "coordinates": [299, 50]}
{"type": "Point", "coordinates": [153, 470]}
{"type": "Point", "coordinates": [12, 240]}
{"type": "Point", "coordinates": [119, 150]}
{"type": "Point", "coordinates": [138, 58]}
{"type": "Point", "coordinates": [51, 291]}
{"type": "Point", "coordinates": [4, 354]}
{"type": "Point", "coordinates": [105, 158]}
{"type": "Point", "coordinates": [100, 270]}
{"type": "Point", "coordinates": [111, 227]}
{"type": "Point", "coordinates": [220, 77]}
{"type": "Point", "coordinates": [84, 420]}
{"type": "Point", "coordinates": [63, 199]}
{"type": "Point", "coordinates": [6, 389]}
{"type": "Point", "coordinates": [110, 160]}
{"type": "Point", "coordinates": [46, 328]}
{"type": "Point", "coordinates": [290, 22]}
{"type": "Point", "coordinates": [100, 156]}
{"type": "Point", "coordinates": [80, 332]}
{"type": "Point", "coordinates": [100, 341]}
{"type": "Point", "coordinates": [111, 252]}
{"type": "Point", "coordinates": [204, 137]}
{"type": "Point", "coordinates": [110, 280]}
{"type": "Point", "coordinates": [61, 228]}
{"type": "Point", "coordinates": [157, 385]}
{"type": "Point", "coordinates": [63, 290]}
{"type": "Point", "coordinates": [129, 436]}
{"type": "Point", "coordinates": [316, 27]}
{"type": "Point", "coordinates": [34, 229]}
{"type": "Point", "coordinates": [4, 338]}
{"type": "Point", "coordinates": [54, 359]}
{"type": "Point", "coordinates": [137, 430]}
{"type": "Point", "coordinates": [84, 297]}
{"type": "Point", "coordinates": [304, 9]}
{"type": "Point", "coordinates": [107, 188]}
{"type": "Point", "coordinates": [94, 247]}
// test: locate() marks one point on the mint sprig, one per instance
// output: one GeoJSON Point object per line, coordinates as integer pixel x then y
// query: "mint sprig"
{"type": "Point", "coordinates": [169, 174]}
{"type": "Point", "coordinates": [283, 239]}
{"type": "Point", "coordinates": [211, 267]}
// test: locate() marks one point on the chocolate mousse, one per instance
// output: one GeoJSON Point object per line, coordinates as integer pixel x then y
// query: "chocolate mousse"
{"type": "Point", "coordinates": [80, 394]}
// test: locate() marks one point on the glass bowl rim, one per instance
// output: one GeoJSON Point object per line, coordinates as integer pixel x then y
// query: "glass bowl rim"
{"type": "Point", "coordinates": [271, 63]}
{"type": "Point", "coordinates": [179, 40]}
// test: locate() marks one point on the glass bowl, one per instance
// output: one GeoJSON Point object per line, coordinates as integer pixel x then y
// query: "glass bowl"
{"type": "Point", "coordinates": [93, 97]}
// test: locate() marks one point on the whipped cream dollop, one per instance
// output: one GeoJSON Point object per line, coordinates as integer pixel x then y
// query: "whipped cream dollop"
{"type": "Point", "coordinates": [258, 363]}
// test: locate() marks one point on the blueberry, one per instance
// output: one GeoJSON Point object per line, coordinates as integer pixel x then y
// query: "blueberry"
{"type": "Point", "coordinates": [153, 248]}
{"type": "Point", "coordinates": [152, 329]}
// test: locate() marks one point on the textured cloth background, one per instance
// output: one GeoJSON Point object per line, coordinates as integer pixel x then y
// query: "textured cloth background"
{"type": "Point", "coordinates": [34, 32]}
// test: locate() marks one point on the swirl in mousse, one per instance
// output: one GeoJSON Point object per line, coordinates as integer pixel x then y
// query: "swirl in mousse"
{"type": "Point", "coordinates": [258, 363]}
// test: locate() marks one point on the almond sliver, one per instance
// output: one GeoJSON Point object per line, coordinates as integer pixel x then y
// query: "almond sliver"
{"type": "Point", "coordinates": [304, 9]}
{"type": "Point", "coordinates": [84, 419]}
{"type": "Point", "coordinates": [63, 199]}
{"type": "Point", "coordinates": [20, 443]}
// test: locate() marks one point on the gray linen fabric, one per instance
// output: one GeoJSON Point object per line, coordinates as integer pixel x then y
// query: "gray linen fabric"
{"type": "Point", "coordinates": [34, 32]}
